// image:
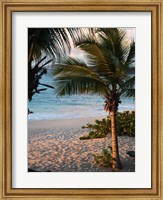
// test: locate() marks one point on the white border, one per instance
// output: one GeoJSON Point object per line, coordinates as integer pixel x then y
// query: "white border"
{"type": "Point", "coordinates": [142, 177]}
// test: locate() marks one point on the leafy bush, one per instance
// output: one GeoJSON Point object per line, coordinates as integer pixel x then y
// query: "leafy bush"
{"type": "Point", "coordinates": [105, 159]}
{"type": "Point", "coordinates": [98, 130]}
{"type": "Point", "coordinates": [125, 123]}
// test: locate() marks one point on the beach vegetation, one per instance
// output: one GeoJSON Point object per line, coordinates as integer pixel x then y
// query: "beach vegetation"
{"type": "Point", "coordinates": [105, 158]}
{"type": "Point", "coordinates": [108, 71]}
{"type": "Point", "coordinates": [100, 129]}
{"type": "Point", "coordinates": [125, 122]}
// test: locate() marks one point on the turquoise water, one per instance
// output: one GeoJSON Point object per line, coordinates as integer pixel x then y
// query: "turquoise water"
{"type": "Point", "coordinates": [47, 105]}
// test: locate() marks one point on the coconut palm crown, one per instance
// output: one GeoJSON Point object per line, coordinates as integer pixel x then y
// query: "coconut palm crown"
{"type": "Point", "coordinates": [108, 71]}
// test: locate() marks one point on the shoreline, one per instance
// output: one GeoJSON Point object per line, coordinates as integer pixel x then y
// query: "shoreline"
{"type": "Point", "coordinates": [68, 123]}
{"type": "Point", "coordinates": [62, 123]}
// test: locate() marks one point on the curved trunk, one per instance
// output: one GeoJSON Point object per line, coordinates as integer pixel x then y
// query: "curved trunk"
{"type": "Point", "coordinates": [116, 163]}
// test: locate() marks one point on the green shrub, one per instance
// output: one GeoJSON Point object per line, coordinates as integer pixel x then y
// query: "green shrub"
{"type": "Point", "coordinates": [105, 158]}
{"type": "Point", "coordinates": [98, 130]}
{"type": "Point", "coordinates": [125, 123]}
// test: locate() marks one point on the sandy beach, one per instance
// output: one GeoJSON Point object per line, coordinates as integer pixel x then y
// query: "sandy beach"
{"type": "Point", "coordinates": [54, 145]}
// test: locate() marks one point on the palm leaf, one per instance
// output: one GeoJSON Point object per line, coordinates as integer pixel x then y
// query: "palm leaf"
{"type": "Point", "coordinates": [71, 84]}
{"type": "Point", "coordinates": [131, 55]}
{"type": "Point", "coordinates": [127, 89]}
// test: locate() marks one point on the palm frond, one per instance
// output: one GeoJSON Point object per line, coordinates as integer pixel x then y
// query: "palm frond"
{"type": "Point", "coordinates": [76, 67]}
{"type": "Point", "coordinates": [113, 39]}
{"type": "Point", "coordinates": [131, 55]}
{"type": "Point", "coordinates": [96, 56]}
{"type": "Point", "coordinates": [127, 89]}
{"type": "Point", "coordinates": [72, 84]}
{"type": "Point", "coordinates": [52, 41]}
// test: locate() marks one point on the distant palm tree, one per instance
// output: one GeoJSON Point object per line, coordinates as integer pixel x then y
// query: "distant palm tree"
{"type": "Point", "coordinates": [108, 71]}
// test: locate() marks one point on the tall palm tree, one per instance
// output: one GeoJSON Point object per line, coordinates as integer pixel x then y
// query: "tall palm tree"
{"type": "Point", "coordinates": [108, 71]}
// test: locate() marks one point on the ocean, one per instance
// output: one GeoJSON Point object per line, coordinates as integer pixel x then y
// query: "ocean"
{"type": "Point", "coordinates": [47, 105]}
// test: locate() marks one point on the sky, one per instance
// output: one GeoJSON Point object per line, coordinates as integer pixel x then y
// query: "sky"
{"type": "Point", "coordinates": [131, 33]}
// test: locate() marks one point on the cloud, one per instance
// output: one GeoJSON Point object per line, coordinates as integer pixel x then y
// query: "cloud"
{"type": "Point", "coordinates": [76, 52]}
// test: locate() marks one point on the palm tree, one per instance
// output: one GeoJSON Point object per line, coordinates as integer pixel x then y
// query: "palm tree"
{"type": "Point", "coordinates": [108, 71]}
{"type": "Point", "coordinates": [44, 46]}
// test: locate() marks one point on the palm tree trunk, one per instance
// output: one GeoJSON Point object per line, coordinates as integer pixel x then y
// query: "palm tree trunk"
{"type": "Point", "coordinates": [116, 163]}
